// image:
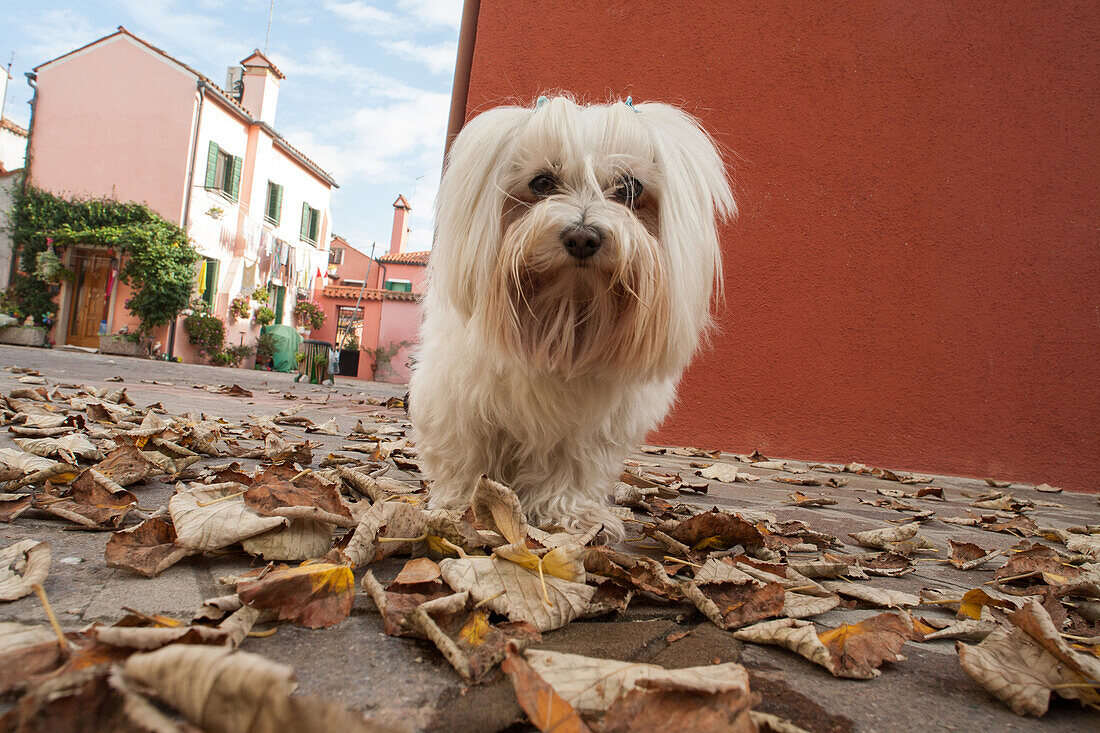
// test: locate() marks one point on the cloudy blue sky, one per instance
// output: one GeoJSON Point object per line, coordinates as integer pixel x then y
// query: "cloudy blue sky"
{"type": "Point", "coordinates": [366, 95]}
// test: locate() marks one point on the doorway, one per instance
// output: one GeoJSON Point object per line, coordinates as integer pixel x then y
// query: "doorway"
{"type": "Point", "coordinates": [90, 296]}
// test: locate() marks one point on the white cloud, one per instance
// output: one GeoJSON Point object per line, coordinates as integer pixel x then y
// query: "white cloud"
{"type": "Point", "coordinates": [331, 67]}
{"type": "Point", "coordinates": [57, 32]}
{"type": "Point", "coordinates": [362, 16]}
{"type": "Point", "coordinates": [439, 58]}
{"type": "Point", "coordinates": [436, 12]}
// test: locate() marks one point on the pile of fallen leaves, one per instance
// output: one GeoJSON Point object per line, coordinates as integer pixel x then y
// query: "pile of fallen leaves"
{"type": "Point", "coordinates": [483, 585]}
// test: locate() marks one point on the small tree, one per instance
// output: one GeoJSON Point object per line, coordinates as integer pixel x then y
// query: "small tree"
{"type": "Point", "coordinates": [157, 257]}
{"type": "Point", "coordinates": [381, 356]}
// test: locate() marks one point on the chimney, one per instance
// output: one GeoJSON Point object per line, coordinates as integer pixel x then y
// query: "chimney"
{"type": "Point", "coordinates": [401, 213]}
{"type": "Point", "coordinates": [261, 87]}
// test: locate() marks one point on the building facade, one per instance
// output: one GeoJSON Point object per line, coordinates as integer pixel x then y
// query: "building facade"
{"type": "Point", "coordinates": [13, 138]}
{"type": "Point", "coordinates": [373, 301]}
{"type": "Point", "coordinates": [912, 280]}
{"type": "Point", "coordinates": [122, 119]}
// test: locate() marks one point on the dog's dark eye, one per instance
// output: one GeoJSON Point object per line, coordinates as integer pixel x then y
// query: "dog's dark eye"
{"type": "Point", "coordinates": [628, 191]}
{"type": "Point", "coordinates": [542, 185]}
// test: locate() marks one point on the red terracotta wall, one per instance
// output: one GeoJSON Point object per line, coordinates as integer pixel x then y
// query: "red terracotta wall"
{"type": "Point", "coordinates": [913, 280]}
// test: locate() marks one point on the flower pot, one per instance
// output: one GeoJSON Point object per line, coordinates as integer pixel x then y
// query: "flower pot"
{"type": "Point", "coordinates": [23, 335]}
{"type": "Point", "coordinates": [119, 345]}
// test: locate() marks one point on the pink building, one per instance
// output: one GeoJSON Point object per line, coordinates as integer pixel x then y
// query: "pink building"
{"type": "Point", "coordinates": [374, 301]}
{"type": "Point", "coordinates": [122, 119]}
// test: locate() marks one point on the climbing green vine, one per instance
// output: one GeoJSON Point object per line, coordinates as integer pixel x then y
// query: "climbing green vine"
{"type": "Point", "coordinates": [158, 261]}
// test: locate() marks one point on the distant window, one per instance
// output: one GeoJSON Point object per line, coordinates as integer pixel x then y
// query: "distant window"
{"type": "Point", "coordinates": [208, 281]}
{"type": "Point", "coordinates": [223, 172]}
{"type": "Point", "coordinates": [273, 209]}
{"type": "Point", "coordinates": [336, 256]}
{"type": "Point", "coordinates": [399, 286]}
{"type": "Point", "coordinates": [352, 283]}
{"type": "Point", "coordinates": [311, 223]}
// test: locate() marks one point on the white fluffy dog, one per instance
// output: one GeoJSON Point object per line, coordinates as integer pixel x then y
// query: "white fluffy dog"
{"type": "Point", "coordinates": [574, 262]}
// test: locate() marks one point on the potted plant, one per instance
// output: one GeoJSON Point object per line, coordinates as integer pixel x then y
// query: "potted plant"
{"type": "Point", "coordinates": [240, 307]}
{"type": "Point", "coordinates": [261, 295]}
{"type": "Point", "coordinates": [309, 314]}
{"type": "Point", "coordinates": [265, 351]}
{"type": "Point", "coordinates": [265, 316]}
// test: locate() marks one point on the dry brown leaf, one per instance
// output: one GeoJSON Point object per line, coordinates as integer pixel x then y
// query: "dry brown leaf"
{"type": "Point", "coordinates": [26, 651]}
{"type": "Point", "coordinates": [465, 637]}
{"type": "Point", "coordinates": [854, 650]}
{"type": "Point", "coordinates": [23, 565]}
{"type": "Point", "coordinates": [1022, 665]}
{"type": "Point", "coordinates": [221, 690]}
{"type": "Point", "coordinates": [632, 571]}
{"type": "Point", "coordinates": [127, 465]}
{"type": "Point", "coordinates": [518, 593]}
{"type": "Point", "coordinates": [402, 524]}
{"type": "Point", "coordinates": [887, 537]}
{"type": "Point", "coordinates": [546, 710]}
{"type": "Point", "coordinates": [302, 539]}
{"type": "Point", "coordinates": [968, 556]}
{"type": "Point", "coordinates": [715, 530]}
{"type": "Point", "coordinates": [280, 490]}
{"type": "Point", "coordinates": [592, 685]}
{"type": "Point", "coordinates": [882, 597]}
{"type": "Point", "coordinates": [421, 583]}
{"type": "Point", "coordinates": [13, 505]}
{"type": "Point", "coordinates": [733, 605]}
{"type": "Point", "coordinates": [93, 501]}
{"type": "Point", "coordinates": [148, 548]}
{"type": "Point", "coordinates": [496, 507]}
{"type": "Point", "coordinates": [314, 595]}
{"type": "Point", "coordinates": [210, 517]}
{"type": "Point", "coordinates": [724, 472]}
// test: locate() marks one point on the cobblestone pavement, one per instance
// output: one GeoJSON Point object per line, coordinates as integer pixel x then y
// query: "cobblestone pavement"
{"type": "Point", "coordinates": [408, 681]}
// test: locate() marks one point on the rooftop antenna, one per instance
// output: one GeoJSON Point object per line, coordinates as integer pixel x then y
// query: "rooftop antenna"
{"type": "Point", "coordinates": [267, 37]}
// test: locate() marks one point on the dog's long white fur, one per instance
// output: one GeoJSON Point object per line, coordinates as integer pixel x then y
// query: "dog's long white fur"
{"type": "Point", "coordinates": [533, 368]}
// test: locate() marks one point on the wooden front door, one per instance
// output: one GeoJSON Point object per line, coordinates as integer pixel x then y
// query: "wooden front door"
{"type": "Point", "coordinates": [89, 306]}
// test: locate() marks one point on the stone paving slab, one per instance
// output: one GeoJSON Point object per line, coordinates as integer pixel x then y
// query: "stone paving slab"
{"type": "Point", "coordinates": [408, 682]}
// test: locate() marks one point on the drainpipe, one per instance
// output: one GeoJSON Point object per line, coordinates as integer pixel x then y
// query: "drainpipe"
{"type": "Point", "coordinates": [187, 199]}
{"type": "Point", "coordinates": [461, 88]}
{"type": "Point", "coordinates": [32, 78]}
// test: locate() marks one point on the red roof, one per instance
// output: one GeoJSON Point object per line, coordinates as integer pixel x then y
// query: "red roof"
{"type": "Point", "coordinates": [266, 63]}
{"type": "Point", "coordinates": [402, 203]}
{"type": "Point", "coordinates": [7, 124]}
{"type": "Point", "coordinates": [353, 292]}
{"type": "Point", "coordinates": [405, 258]}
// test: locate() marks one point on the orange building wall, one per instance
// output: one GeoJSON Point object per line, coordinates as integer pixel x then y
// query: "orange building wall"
{"type": "Point", "coordinates": [913, 279]}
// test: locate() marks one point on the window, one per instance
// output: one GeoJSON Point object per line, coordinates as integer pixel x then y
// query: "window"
{"type": "Point", "coordinates": [280, 302]}
{"type": "Point", "coordinates": [223, 172]}
{"type": "Point", "coordinates": [208, 281]}
{"type": "Point", "coordinates": [273, 209]}
{"type": "Point", "coordinates": [399, 286]}
{"type": "Point", "coordinates": [311, 223]}
{"type": "Point", "coordinates": [336, 256]}
{"type": "Point", "coordinates": [349, 327]}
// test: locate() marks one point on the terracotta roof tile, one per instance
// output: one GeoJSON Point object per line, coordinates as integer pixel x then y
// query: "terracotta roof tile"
{"type": "Point", "coordinates": [406, 258]}
{"type": "Point", "coordinates": [7, 124]}
{"type": "Point", "coordinates": [353, 292]}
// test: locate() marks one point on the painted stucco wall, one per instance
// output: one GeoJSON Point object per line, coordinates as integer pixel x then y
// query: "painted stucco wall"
{"type": "Point", "coordinates": [114, 121]}
{"type": "Point", "coordinates": [400, 321]}
{"type": "Point", "coordinates": [13, 149]}
{"type": "Point", "coordinates": [913, 278]}
{"type": "Point", "coordinates": [9, 184]}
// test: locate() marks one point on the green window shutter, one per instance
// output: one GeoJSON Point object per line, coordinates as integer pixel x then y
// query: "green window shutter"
{"type": "Point", "coordinates": [278, 205]}
{"type": "Point", "coordinates": [314, 224]}
{"type": "Point", "coordinates": [235, 182]}
{"type": "Point", "coordinates": [211, 164]}
{"type": "Point", "coordinates": [305, 220]}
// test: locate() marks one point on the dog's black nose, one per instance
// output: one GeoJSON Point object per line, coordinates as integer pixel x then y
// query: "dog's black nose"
{"type": "Point", "coordinates": [581, 242]}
